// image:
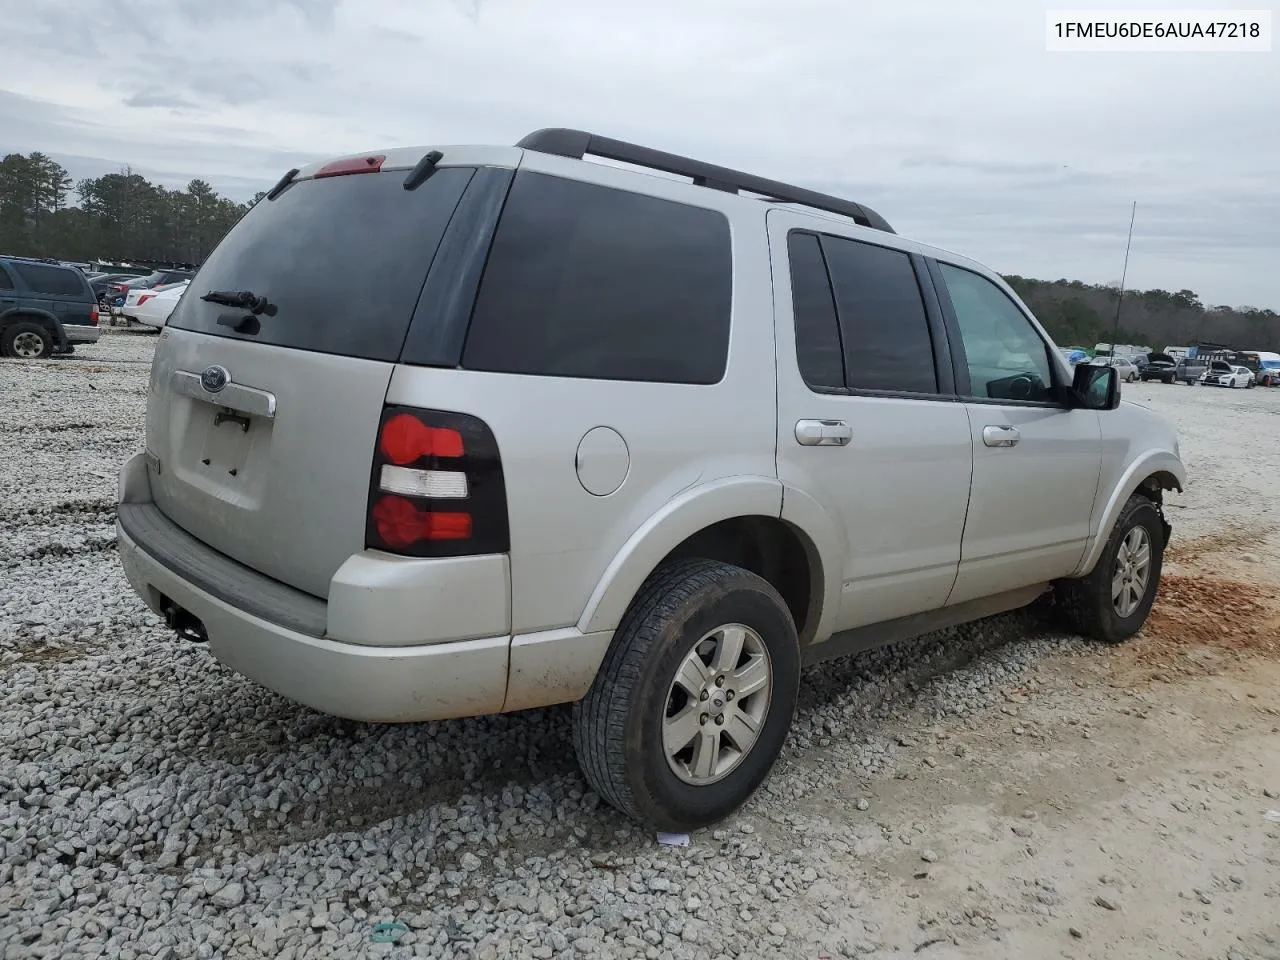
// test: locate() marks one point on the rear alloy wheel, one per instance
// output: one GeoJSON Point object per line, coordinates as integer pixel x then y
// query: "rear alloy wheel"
{"type": "Point", "coordinates": [1112, 603]}
{"type": "Point", "coordinates": [26, 341]}
{"type": "Point", "coordinates": [693, 701]}
{"type": "Point", "coordinates": [716, 704]}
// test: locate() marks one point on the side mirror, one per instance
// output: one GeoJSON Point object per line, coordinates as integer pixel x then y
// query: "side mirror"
{"type": "Point", "coordinates": [1095, 387]}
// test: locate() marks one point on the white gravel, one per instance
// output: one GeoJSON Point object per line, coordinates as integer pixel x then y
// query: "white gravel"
{"type": "Point", "coordinates": [153, 804]}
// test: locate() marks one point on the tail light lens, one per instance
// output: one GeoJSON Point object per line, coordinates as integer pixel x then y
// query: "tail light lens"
{"type": "Point", "coordinates": [144, 298]}
{"type": "Point", "coordinates": [436, 488]}
{"type": "Point", "coordinates": [93, 315]}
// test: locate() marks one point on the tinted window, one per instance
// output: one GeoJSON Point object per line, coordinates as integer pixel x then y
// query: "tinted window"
{"type": "Point", "coordinates": [52, 281]}
{"type": "Point", "coordinates": [588, 281]}
{"type": "Point", "coordinates": [5, 282]}
{"type": "Point", "coordinates": [818, 351]}
{"type": "Point", "coordinates": [343, 260]}
{"type": "Point", "coordinates": [1007, 358]}
{"type": "Point", "coordinates": [882, 319]}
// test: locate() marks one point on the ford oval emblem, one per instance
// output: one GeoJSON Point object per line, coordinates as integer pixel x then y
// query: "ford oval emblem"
{"type": "Point", "coordinates": [214, 378]}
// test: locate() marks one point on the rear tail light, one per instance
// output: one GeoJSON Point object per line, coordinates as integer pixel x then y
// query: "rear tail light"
{"type": "Point", "coordinates": [93, 315]}
{"type": "Point", "coordinates": [436, 488]}
{"type": "Point", "coordinates": [144, 298]}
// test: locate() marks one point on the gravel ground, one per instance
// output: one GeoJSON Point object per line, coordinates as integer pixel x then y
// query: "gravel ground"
{"type": "Point", "coordinates": [154, 804]}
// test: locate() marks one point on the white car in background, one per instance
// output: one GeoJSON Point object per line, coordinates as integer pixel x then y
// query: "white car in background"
{"type": "Point", "coordinates": [154, 306]}
{"type": "Point", "coordinates": [1126, 368]}
{"type": "Point", "coordinates": [1227, 375]}
{"type": "Point", "coordinates": [137, 296]}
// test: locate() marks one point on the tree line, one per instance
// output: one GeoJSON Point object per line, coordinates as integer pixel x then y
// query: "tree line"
{"type": "Point", "coordinates": [120, 216]}
{"type": "Point", "coordinates": [123, 216]}
{"type": "Point", "coordinates": [1081, 314]}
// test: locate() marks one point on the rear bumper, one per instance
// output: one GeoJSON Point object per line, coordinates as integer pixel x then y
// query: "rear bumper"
{"type": "Point", "coordinates": [81, 333]}
{"type": "Point", "coordinates": [382, 684]}
{"type": "Point", "coordinates": [322, 655]}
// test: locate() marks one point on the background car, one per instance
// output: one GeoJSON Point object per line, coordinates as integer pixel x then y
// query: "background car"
{"type": "Point", "coordinates": [154, 306]}
{"type": "Point", "coordinates": [1159, 366]}
{"type": "Point", "coordinates": [134, 299]}
{"type": "Point", "coordinates": [104, 284]}
{"type": "Point", "coordinates": [1268, 373]}
{"type": "Point", "coordinates": [151, 281]}
{"type": "Point", "coordinates": [1125, 367]}
{"type": "Point", "coordinates": [1223, 374]}
{"type": "Point", "coordinates": [45, 308]}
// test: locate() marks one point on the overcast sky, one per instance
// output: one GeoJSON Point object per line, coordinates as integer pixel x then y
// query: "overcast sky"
{"type": "Point", "coordinates": [949, 118]}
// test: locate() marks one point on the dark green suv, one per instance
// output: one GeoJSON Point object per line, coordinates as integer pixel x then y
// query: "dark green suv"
{"type": "Point", "coordinates": [45, 308]}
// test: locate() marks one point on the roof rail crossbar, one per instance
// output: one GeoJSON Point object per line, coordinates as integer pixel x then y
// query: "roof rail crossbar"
{"type": "Point", "coordinates": [577, 144]}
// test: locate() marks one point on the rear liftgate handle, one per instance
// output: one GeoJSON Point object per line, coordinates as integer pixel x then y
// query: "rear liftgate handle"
{"type": "Point", "coordinates": [823, 433]}
{"type": "Point", "coordinates": [1001, 435]}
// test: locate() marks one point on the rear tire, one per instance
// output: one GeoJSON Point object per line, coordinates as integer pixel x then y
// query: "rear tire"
{"type": "Point", "coordinates": [1112, 603]}
{"type": "Point", "coordinates": [26, 340]}
{"type": "Point", "coordinates": [673, 657]}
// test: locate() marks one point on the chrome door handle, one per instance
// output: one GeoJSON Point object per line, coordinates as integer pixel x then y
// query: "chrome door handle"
{"type": "Point", "coordinates": [823, 433]}
{"type": "Point", "coordinates": [1001, 435]}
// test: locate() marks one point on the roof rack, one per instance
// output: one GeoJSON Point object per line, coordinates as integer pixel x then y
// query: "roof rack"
{"type": "Point", "coordinates": [10, 256]}
{"type": "Point", "coordinates": [576, 144]}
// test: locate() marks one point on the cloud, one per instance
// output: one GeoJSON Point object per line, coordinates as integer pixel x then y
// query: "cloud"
{"type": "Point", "coordinates": [950, 119]}
{"type": "Point", "coordinates": [157, 98]}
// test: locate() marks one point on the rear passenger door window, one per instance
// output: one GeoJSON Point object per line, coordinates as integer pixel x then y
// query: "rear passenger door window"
{"type": "Point", "coordinates": [6, 282]}
{"type": "Point", "coordinates": [51, 281]}
{"type": "Point", "coordinates": [819, 352]}
{"type": "Point", "coordinates": [860, 318]}
{"type": "Point", "coordinates": [883, 324]}
{"type": "Point", "coordinates": [1006, 358]}
{"type": "Point", "coordinates": [590, 281]}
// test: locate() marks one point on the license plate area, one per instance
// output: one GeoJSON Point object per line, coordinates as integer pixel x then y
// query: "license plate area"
{"type": "Point", "coordinates": [228, 438]}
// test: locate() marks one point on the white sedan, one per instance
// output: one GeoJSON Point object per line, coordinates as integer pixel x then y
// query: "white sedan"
{"type": "Point", "coordinates": [1232, 376]}
{"type": "Point", "coordinates": [154, 306]}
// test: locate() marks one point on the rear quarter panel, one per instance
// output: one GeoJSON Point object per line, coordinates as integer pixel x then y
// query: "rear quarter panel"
{"type": "Point", "coordinates": [680, 438]}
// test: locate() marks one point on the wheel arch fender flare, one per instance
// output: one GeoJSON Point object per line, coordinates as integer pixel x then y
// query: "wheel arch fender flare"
{"type": "Point", "coordinates": [43, 317]}
{"type": "Point", "coordinates": [689, 511]}
{"type": "Point", "coordinates": [826, 534]}
{"type": "Point", "coordinates": [1162, 467]}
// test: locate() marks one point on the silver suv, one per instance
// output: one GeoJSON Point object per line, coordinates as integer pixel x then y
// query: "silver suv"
{"type": "Point", "coordinates": [479, 429]}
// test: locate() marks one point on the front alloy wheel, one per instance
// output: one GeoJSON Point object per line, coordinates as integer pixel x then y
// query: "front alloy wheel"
{"type": "Point", "coordinates": [1132, 572]}
{"type": "Point", "coordinates": [1113, 601]}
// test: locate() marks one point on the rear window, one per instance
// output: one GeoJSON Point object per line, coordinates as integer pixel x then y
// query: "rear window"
{"type": "Point", "coordinates": [342, 259]}
{"type": "Point", "coordinates": [51, 281]}
{"type": "Point", "coordinates": [590, 281]}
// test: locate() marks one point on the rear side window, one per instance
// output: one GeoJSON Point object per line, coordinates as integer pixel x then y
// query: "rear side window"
{"type": "Point", "coordinates": [342, 259]}
{"type": "Point", "coordinates": [589, 281]}
{"type": "Point", "coordinates": [883, 322]}
{"type": "Point", "coordinates": [819, 353]}
{"type": "Point", "coordinates": [5, 282]}
{"type": "Point", "coordinates": [51, 281]}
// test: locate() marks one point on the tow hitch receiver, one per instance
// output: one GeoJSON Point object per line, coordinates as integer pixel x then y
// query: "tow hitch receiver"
{"type": "Point", "coordinates": [184, 624]}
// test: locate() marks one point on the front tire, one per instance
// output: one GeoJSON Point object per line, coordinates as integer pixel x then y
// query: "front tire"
{"type": "Point", "coordinates": [1112, 603]}
{"type": "Point", "coordinates": [694, 699]}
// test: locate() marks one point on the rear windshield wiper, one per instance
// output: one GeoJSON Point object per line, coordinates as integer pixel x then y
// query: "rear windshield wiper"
{"type": "Point", "coordinates": [245, 299]}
